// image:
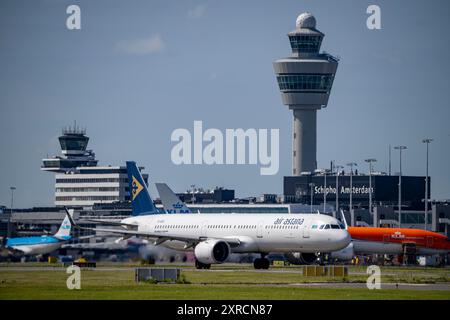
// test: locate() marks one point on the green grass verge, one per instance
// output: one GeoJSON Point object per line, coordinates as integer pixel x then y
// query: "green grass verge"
{"type": "Point", "coordinates": [100, 284]}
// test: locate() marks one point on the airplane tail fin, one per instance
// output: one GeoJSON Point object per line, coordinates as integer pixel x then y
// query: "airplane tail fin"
{"type": "Point", "coordinates": [65, 228]}
{"type": "Point", "coordinates": [170, 201]}
{"type": "Point", "coordinates": [141, 202]}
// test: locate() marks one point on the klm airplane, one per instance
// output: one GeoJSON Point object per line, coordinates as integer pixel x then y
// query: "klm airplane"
{"type": "Point", "coordinates": [171, 202]}
{"type": "Point", "coordinates": [43, 244]}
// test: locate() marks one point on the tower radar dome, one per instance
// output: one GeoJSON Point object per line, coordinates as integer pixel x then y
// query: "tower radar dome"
{"type": "Point", "coordinates": [305, 21]}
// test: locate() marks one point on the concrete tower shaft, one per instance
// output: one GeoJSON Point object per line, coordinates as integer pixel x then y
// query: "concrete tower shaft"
{"type": "Point", "coordinates": [305, 80]}
{"type": "Point", "coordinates": [304, 141]}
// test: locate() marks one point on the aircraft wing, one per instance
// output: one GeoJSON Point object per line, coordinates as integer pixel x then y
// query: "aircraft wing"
{"type": "Point", "coordinates": [111, 223]}
{"type": "Point", "coordinates": [160, 238]}
{"type": "Point", "coordinates": [84, 237]}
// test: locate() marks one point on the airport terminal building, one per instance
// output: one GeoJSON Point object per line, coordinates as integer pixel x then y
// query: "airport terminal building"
{"type": "Point", "coordinates": [79, 182]}
{"type": "Point", "coordinates": [384, 190]}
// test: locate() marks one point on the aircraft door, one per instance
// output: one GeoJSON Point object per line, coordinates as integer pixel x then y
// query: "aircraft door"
{"type": "Point", "coordinates": [204, 230]}
{"type": "Point", "coordinates": [305, 229]}
{"type": "Point", "coordinates": [259, 230]}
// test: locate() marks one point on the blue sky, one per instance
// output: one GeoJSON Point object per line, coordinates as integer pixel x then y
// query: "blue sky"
{"type": "Point", "coordinates": [137, 70]}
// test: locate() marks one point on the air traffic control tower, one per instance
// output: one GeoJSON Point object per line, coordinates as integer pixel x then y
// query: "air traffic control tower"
{"type": "Point", "coordinates": [305, 80]}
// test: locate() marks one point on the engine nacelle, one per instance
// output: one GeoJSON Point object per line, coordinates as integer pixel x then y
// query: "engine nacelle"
{"type": "Point", "coordinates": [344, 254]}
{"type": "Point", "coordinates": [212, 251]}
{"type": "Point", "coordinates": [299, 258]}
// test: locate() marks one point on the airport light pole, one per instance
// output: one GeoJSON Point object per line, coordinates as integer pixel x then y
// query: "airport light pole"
{"type": "Point", "coordinates": [8, 232]}
{"type": "Point", "coordinates": [400, 148]}
{"type": "Point", "coordinates": [193, 193]}
{"type": "Point", "coordinates": [352, 216]}
{"type": "Point", "coordinates": [427, 141]}
{"type": "Point", "coordinates": [338, 167]}
{"type": "Point", "coordinates": [370, 161]}
{"type": "Point", "coordinates": [312, 185]}
{"type": "Point", "coordinates": [324, 191]}
{"type": "Point", "coordinates": [324, 172]}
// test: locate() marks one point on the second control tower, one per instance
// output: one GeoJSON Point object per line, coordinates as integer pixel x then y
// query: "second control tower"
{"type": "Point", "coordinates": [305, 80]}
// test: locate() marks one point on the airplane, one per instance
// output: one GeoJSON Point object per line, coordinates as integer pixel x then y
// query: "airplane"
{"type": "Point", "coordinates": [42, 244]}
{"type": "Point", "coordinates": [171, 202]}
{"type": "Point", "coordinates": [372, 240]}
{"type": "Point", "coordinates": [213, 237]}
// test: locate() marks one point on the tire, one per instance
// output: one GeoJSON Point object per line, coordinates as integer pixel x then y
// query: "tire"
{"type": "Point", "coordinates": [265, 263]}
{"type": "Point", "coordinates": [257, 263]}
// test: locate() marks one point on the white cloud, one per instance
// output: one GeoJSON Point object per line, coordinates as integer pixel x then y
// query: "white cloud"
{"type": "Point", "coordinates": [198, 12]}
{"type": "Point", "coordinates": [144, 46]}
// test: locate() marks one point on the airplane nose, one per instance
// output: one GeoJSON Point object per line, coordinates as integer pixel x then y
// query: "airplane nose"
{"type": "Point", "coordinates": [344, 238]}
{"type": "Point", "coordinates": [340, 240]}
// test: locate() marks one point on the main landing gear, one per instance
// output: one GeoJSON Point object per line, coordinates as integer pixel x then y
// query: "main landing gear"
{"type": "Point", "coordinates": [261, 263]}
{"type": "Point", "coordinates": [199, 265]}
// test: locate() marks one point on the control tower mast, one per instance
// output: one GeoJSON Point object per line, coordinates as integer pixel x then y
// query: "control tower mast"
{"type": "Point", "coordinates": [305, 80]}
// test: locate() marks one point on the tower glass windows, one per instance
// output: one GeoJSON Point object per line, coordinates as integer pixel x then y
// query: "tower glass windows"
{"type": "Point", "coordinates": [319, 82]}
{"type": "Point", "coordinates": [305, 43]}
{"type": "Point", "coordinates": [73, 142]}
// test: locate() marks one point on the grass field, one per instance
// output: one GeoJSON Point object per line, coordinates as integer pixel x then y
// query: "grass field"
{"type": "Point", "coordinates": [222, 283]}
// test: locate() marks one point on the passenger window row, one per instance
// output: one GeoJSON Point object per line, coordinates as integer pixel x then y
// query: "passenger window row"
{"type": "Point", "coordinates": [171, 226]}
{"type": "Point", "coordinates": [282, 227]}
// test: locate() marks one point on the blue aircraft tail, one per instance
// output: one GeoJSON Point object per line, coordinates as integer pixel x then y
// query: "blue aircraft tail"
{"type": "Point", "coordinates": [141, 202]}
{"type": "Point", "coordinates": [65, 228]}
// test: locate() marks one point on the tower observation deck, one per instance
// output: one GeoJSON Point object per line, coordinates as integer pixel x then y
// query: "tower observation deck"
{"type": "Point", "coordinates": [73, 142]}
{"type": "Point", "coordinates": [305, 80]}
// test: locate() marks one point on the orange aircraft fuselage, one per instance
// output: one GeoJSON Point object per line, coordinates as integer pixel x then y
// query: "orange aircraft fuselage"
{"type": "Point", "coordinates": [391, 240]}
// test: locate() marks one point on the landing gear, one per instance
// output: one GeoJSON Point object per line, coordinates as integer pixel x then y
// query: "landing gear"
{"type": "Point", "coordinates": [199, 265]}
{"type": "Point", "coordinates": [261, 263]}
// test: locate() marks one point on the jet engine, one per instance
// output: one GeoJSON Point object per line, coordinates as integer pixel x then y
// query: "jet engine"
{"type": "Point", "coordinates": [212, 251]}
{"type": "Point", "coordinates": [300, 258]}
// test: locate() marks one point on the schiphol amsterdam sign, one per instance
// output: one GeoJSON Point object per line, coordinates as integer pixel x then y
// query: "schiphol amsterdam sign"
{"type": "Point", "coordinates": [343, 190]}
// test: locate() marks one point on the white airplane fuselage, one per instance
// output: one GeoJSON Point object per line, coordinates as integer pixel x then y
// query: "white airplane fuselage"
{"type": "Point", "coordinates": [263, 233]}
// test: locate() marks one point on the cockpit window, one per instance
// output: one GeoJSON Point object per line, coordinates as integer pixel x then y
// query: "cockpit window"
{"type": "Point", "coordinates": [342, 226]}
{"type": "Point", "coordinates": [334, 226]}
{"type": "Point", "coordinates": [314, 226]}
{"type": "Point", "coordinates": [327, 226]}
{"type": "Point", "coordinates": [321, 227]}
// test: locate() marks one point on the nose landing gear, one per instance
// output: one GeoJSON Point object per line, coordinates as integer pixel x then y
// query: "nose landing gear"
{"type": "Point", "coordinates": [261, 263]}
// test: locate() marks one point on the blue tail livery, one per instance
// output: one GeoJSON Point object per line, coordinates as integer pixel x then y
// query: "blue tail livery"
{"type": "Point", "coordinates": [43, 244]}
{"type": "Point", "coordinates": [141, 202]}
